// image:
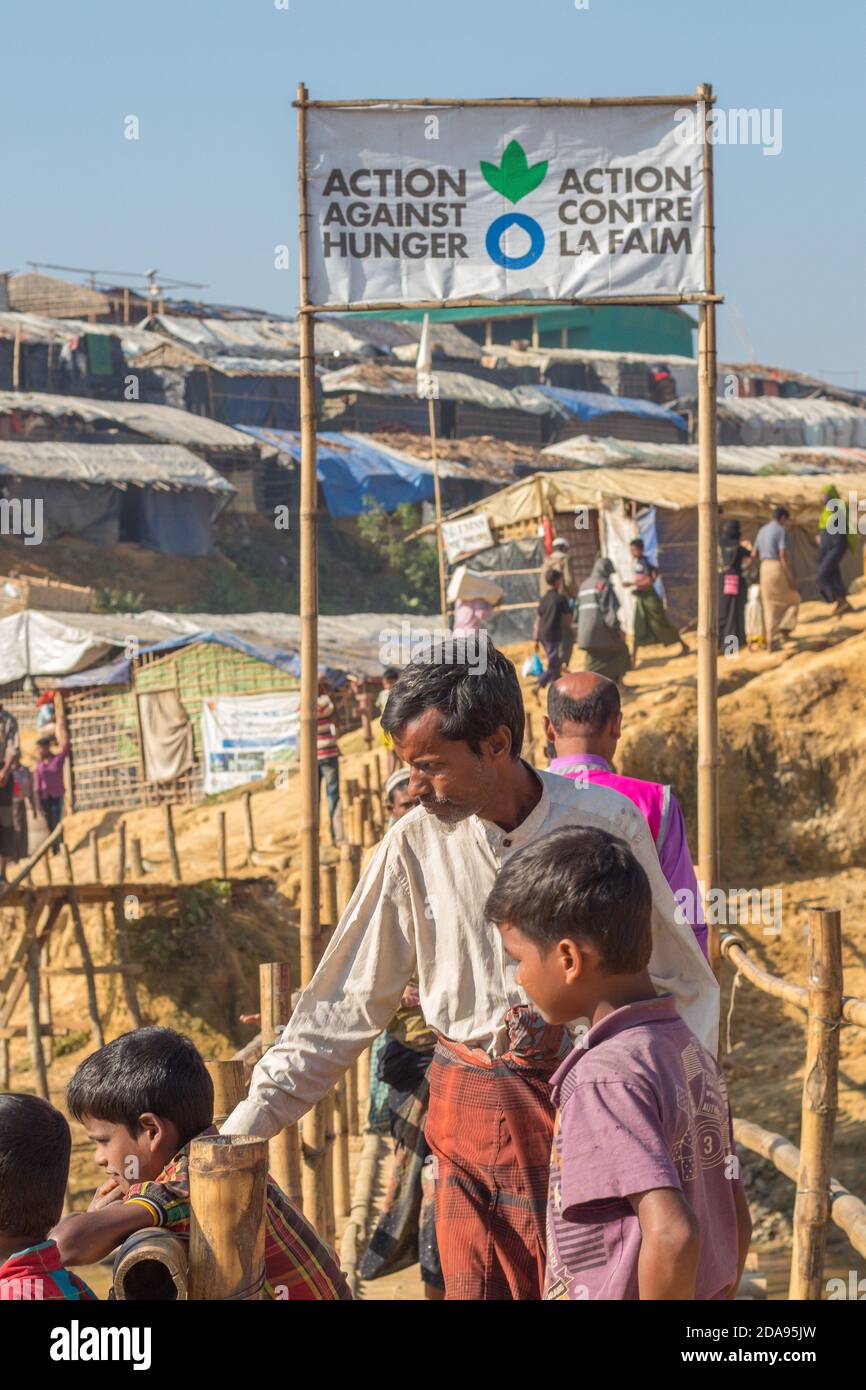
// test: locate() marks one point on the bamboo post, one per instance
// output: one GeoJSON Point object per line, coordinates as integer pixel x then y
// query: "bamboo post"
{"type": "Point", "coordinates": [96, 877]}
{"type": "Point", "coordinates": [229, 1087]}
{"type": "Point", "coordinates": [172, 844]}
{"type": "Point", "coordinates": [367, 787]}
{"type": "Point", "coordinates": [309, 829]}
{"type": "Point", "coordinates": [275, 994]}
{"type": "Point", "coordinates": [378, 789]}
{"type": "Point", "coordinates": [356, 821]}
{"type": "Point", "coordinates": [812, 1204]}
{"type": "Point", "coordinates": [151, 1265]}
{"type": "Point", "coordinates": [96, 1032]}
{"type": "Point", "coordinates": [222, 854]}
{"type": "Point", "coordinates": [348, 873]}
{"type": "Point", "coordinates": [34, 1022]}
{"type": "Point", "coordinates": [130, 993]}
{"type": "Point", "coordinates": [136, 867]}
{"type": "Point", "coordinates": [328, 895]}
{"type": "Point", "coordinates": [367, 829]}
{"type": "Point", "coordinates": [228, 1176]}
{"type": "Point", "coordinates": [342, 1180]}
{"type": "Point", "coordinates": [437, 494]}
{"type": "Point", "coordinates": [4, 1064]}
{"type": "Point", "coordinates": [121, 852]}
{"type": "Point", "coordinates": [708, 525]}
{"type": "Point", "coordinates": [248, 826]}
{"type": "Point", "coordinates": [328, 1226]}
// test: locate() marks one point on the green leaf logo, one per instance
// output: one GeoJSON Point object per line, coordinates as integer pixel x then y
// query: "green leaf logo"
{"type": "Point", "coordinates": [514, 177]}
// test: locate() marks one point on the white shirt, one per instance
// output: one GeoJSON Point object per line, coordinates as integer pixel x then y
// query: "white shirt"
{"type": "Point", "coordinates": [419, 908]}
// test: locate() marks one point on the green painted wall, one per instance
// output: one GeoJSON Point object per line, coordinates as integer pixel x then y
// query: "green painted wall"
{"type": "Point", "coordinates": [619, 328]}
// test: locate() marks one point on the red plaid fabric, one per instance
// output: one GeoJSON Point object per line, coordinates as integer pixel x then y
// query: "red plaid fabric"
{"type": "Point", "coordinates": [298, 1265]}
{"type": "Point", "coordinates": [36, 1275]}
{"type": "Point", "coordinates": [490, 1126]}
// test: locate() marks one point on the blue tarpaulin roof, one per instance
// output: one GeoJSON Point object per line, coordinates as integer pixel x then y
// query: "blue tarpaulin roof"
{"type": "Point", "coordinates": [349, 470]}
{"type": "Point", "coordinates": [585, 405]}
{"type": "Point", "coordinates": [117, 672]}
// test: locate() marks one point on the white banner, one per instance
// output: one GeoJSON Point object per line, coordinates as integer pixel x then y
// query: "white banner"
{"type": "Point", "coordinates": [409, 204]}
{"type": "Point", "coordinates": [245, 736]}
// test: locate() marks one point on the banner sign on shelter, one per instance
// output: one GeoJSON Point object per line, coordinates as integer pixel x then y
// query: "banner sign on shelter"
{"type": "Point", "coordinates": [415, 204]}
{"type": "Point", "coordinates": [245, 736]}
{"type": "Point", "coordinates": [466, 535]}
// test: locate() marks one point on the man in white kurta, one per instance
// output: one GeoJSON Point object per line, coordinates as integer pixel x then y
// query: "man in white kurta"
{"type": "Point", "coordinates": [418, 910]}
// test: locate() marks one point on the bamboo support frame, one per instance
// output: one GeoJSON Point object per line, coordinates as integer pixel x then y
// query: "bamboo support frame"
{"type": "Point", "coordinates": [229, 1087]}
{"type": "Point", "coordinates": [228, 1177]}
{"type": "Point", "coordinates": [812, 1205]}
{"type": "Point", "coordinates": [174, 861]}
{"type": "Point", "coordinates": [84, 951]}
{"type": "Point", "coordinates": [130, 993]}
{"type": "Point", "coordinates": [34, 1022]}
{"type": "Point", "coordinates": [275, 995]}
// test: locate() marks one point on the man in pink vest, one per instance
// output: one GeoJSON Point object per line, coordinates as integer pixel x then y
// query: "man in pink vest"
{"type": "Point", "coordinates": [583, 724]}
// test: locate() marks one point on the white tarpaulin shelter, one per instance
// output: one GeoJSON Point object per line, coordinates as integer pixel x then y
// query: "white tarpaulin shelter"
{"type": "Point", "coordinates": [498, 202]}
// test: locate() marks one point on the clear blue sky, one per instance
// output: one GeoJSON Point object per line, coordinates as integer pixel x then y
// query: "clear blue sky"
{"type": "Point", "coordinates": [210, 187]}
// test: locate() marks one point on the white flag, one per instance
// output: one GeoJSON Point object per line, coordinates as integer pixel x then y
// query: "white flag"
{"type": "Point", "coordinates": [424, 360]}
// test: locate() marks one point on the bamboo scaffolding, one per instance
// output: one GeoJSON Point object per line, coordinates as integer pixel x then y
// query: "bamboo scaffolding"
{"type": "Point", "coordinates": [812, 1205]}
{"type": "Point", "coordinates": [84, 951]}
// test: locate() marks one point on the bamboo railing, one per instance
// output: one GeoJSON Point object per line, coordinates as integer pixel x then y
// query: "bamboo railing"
{"type": "Point", "coordinates": [819, 1198]}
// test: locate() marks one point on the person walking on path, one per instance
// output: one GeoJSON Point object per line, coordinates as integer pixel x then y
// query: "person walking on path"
{"type": "Point", "coordinates": [780, 597]}
{"type": "Point", "coordinates": [328, 755]}
{"type": "Point", "coordinates": [599, 634]}
{"type": "Point", "coordinates": [733, 555]}
{"type": "Point", "coordinates": [553, 613]}
{"type": "Point", "coordinates": [418, 911]}
{"type": "Point", "coordinates": [560, 558]}
{"type": "Point", "coordinates": [583, 725]}
{"type": "Point", "coordinates": [834, 542]}
{"type": "Point", "coordinates": [652, 625]}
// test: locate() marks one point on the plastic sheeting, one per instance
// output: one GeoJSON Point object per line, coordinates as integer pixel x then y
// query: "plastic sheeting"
{"type": "Point", "coordinates": [69, 510]}
{"type": "Point", "coordinates": [514, 625]}
{"type": "Point", "coordinates": [589, 405]}
{"type": "Point", "coordinates": [175, 523]}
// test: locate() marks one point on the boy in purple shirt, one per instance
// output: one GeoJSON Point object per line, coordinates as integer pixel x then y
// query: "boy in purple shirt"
{"type": "Point", "coordinates": [645, 1200]}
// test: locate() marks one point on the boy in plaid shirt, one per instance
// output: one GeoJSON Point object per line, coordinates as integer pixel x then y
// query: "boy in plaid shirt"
{"type": "Point", "coordinates": [35, 1145]}
{"type": "Point", "coordinates": [142, 1099]}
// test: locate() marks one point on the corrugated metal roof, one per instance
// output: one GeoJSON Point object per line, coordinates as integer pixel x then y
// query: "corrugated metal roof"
{"type": "Point", "coordinates": [119, 465]}
{"type": "Point", "coordinates": [162, 422]}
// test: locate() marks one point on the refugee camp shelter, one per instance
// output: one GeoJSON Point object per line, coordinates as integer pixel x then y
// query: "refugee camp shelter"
{"type": "Point", "coordinates": [787, 420]}
{"type": "Point", "coordinates": [591, 452]}
{"type": "Point", "coordinates": [160, 496]}
{"type": "Point", "coordinates": [601, 509]}
{"type": "Point", "coordinates": [644, 328]}
{"type": "Point", "coordinates": [34, 416]}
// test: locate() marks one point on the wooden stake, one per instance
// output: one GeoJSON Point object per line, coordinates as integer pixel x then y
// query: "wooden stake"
{"type": "Point", "coordinates": [309, 829]}
{"type": "Point", "coordinates": [812, 1205]}
{"type": "Point", "coordinates": [222, 854]}
{"type": "Point", "coordinates": [342, 1181]}
{"type": "Point", "coordinates": [172, 845]}
{"type": "Point", "coordinates": [96, 876]}
{"type": "Point", "coordinates": [367, 786]}
{"type": "Point", "coordinates": [275, 994]}
{"type": "Point", "coordinates": [248, 826]}
{"type": "Point", "coordinates": [96, 1032]}
{"type": "Point", "coordinates": [348, 873]}
{"type": "Point", "coordinates": [136, 866]}
{"type": "Point", "coordinates": [129, 991]}
{"type": "Point", "coordinates": [708, 528]}
{"type": "Point", "coordinates": [228, 1176]}
{"type": "Point", "coordinates": [229, 1087]}
{"type": "Point", "coordinates": [121, 852]}
{"type": "Point", "coordinates": [378, 789]}
{"type": "Point", "coordinates": [329, 915]}
{"type": "Point", "coordinates": [34, 1029]}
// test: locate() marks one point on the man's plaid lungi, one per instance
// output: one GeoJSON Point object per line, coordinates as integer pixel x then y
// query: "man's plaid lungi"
{"type": "Point", "coordinates": [490, 1127]}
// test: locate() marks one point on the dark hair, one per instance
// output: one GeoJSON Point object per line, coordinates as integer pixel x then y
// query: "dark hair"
{"type": "Point", "coordinates": [473, 703]}
{"type": "Point", "coordinates": [390, 673]}
{"type": "Point", "coordinates": [594, 710]}
{"type": "Point", "coordinates": [552, 576]}
{"type": "Point", "coordinates": [781, 514]}
{"type": "Point", "coordinates": [35, 1145]}
{"type": "Point", "coordinates": [150, 1069]}
{"type": "Point", "coordinates": [637, 543]}
{"type": "Point", "coordinates": [581, 883]}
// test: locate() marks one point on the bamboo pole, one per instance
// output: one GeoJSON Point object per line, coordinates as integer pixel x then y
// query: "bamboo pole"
{"type": "Point", "coordinates": [348, 873]}
{"type": "Point", "coordinates": [474, 302]}
{"type": "Point", "coordinates": [130, 993]}
{"type": "Point", "coordinates": [378, 789]}
{"type": "Point", "coordinates": [499, 101]}
{"type": "Point", "coordinates": [96, 876]}
{"type": "Point", "coordinates": [228, 1176]}
{"type": "Point", "coordinates": [342, 1180]}
{"type": "Point", "coordinates": [229, 1087]}
{"type": "Point", "coordinates": [368, 833]}
{"type": "Point", "coordinates": [172, 843]}
{"type": "Point", "coordinates": [96, 1032]}
{"type": "Point", "coordinates": [136, 867]}
{"type": "Point", "coordinates": [328, 897]}
{"type": "Point", "coordinates": [275, 994]}
{"type": "Point", "coordinates": [437, 496]}
{"type": "Point", "coordinates": [367, 786]}
{"type": "Point", "coordinates": [222, 854]}
{"type": "Point", "coordinates": [249, 831]}
{"type": "Point", "coordinates": [732, 947]}
{"type": "Point", "coordinates": [309, 830]}
{"type": "Point", "coordinates": [34, 859]}
{"type": "Point", "coordinates": [151, 1265]}
{"type": "Point", "coordinates": [812, 1205]}
{"type": "Point", "coordinates": [355, 1230]}
{"type": "Point", "coordinates": [708, 525]}
{"type": "Point", "coordinates": [121, 852]}
{"type": "Point", "coordinates": [34, 1022]}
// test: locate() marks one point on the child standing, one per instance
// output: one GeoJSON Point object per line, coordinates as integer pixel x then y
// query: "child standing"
{"type": "Point", "coordinates": [35, 1145]}
{"type": "Point", "coordinates": [645, 1201]}
{"type": "Point", "coordinates": [142, 1099]}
